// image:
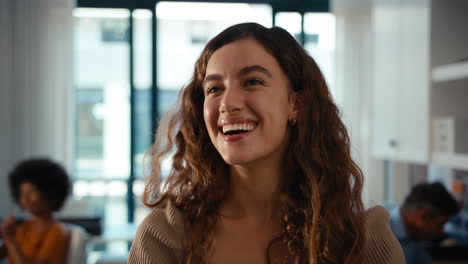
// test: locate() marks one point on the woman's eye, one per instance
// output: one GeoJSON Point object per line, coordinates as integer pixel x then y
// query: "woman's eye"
{"type": "Point", "coordinates": [251, 82]}
{"type": "Point", "coordinates": [212, 89]}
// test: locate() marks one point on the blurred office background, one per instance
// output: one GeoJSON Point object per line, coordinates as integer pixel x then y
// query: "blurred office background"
{"type": "Point", "coordinates": [84, 82]}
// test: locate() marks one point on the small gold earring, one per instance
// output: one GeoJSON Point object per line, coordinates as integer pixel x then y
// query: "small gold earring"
{"type": "Point", "coordinates": [293, 122]}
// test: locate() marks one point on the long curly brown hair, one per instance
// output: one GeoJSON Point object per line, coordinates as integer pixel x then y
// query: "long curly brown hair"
{"type": "Point", "coordinates": [322, 211]}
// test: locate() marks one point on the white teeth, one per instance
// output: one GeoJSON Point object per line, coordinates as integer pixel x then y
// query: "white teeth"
{"type": "Point", "coordinates": [243, 126]}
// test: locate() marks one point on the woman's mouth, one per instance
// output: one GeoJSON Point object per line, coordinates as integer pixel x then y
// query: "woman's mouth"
{"type": "Point", "coordinates": [237, 130]}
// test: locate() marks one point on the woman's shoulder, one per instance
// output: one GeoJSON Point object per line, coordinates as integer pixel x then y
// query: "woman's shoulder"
{"type": "Point", "coordinates": [165, 222]}
{"type": "Point", "coordinates": [59, 226]}
{"type": "Point", "coordinates": [59, 229]}
{"type": "Point", "coordinates": [160, 236]}
{"type": "Point", "coordinates": [55, 226]}
{"type": "Point", "coordinates": [382, 245]}
{"type": "Point", "coordinates": [377, 215]}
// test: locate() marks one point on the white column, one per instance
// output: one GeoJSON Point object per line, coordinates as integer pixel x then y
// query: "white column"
{"type": "Point", "coordinates": [353, 84]}
{"type": "Point", "coordinates": [6, 47]}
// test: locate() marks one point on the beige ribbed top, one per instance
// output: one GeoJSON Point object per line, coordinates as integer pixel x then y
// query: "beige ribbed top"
{"type": "Point", "coordinates": [159, 238]}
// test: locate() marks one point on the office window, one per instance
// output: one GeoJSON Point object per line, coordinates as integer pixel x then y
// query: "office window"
{"type": "Point", "coordinates": [291, 22]}
{"type": "Point", "coordinates": [142, 69]}
{"type": "Point", "coordinates": [102, 90]}
{"type": "Point", "coordinates": [319, 29]}
{"type": "Point", "coordinates": [142, 63]}
{"type": "Point", "coordinates": [114, 30]}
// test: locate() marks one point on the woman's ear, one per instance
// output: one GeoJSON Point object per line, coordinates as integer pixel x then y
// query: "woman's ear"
{"type": "Point", "coordinates": [294, 103]}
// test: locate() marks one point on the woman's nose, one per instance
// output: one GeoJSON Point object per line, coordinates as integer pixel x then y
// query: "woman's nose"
{"type": "Point", "coordinates": [23, 200]}
{"type": "Point", "coordinates": [232, 100]}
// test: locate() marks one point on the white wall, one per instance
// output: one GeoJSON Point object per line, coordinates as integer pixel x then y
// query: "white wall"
{"type": "Point", "coordinates": [354, 82]}
{"type": "Point", "coordinates": [5, 109]}
{"type": "Point", "coordinates": [36, 84]}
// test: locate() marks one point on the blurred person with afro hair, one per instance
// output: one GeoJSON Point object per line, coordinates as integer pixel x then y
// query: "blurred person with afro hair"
{"type": "Point", "coordinates": [40, 187]}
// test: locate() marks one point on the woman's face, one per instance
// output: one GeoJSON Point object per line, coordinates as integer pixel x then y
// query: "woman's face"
{"type": "Point", "coordinates": [32, 200]}
{"type": "Point", "coordinates": [247, 104]}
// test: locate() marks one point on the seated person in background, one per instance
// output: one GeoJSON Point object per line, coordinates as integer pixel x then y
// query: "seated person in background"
{"type": "Point", "coordinates": [421, 218]}
{"type": "Point", "coordinates": [40, 187]}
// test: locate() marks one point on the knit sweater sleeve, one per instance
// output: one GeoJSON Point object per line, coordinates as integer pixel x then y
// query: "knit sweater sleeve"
{"type": "Point", "coordinates": [383, 247]}
{"type": "Point", "coordinates": [159, 238]}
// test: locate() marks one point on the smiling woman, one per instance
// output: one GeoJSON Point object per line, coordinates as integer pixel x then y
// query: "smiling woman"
{"type": "Point", "coordinates": [262, 171]}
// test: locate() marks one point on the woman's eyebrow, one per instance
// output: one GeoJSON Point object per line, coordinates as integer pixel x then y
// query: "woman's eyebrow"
{"type": "Point", "coordinates": [212, 77]}
{"type": "Point", "coordinates": [256, 68]}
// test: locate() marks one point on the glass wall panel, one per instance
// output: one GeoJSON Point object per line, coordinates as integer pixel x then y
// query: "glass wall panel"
{"type": "Point", "coordinates": [319, 29]}
{"type": "Point", "coordinates": [142, 70]}
{"type": "Point", "coordinates": [142, 23]}
{"type": "Point", "coordinates": [102, 93]}
{"type": "Point", "coordinates": [291, 22]}
{"type": "Point", "coordinates": [102, 139]}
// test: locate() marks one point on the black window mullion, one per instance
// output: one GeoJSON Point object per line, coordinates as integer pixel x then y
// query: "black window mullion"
{"type": "Point", "coordinates": [154, 77]}
{"type": "Point", "coordinates": [273, 16]}
{"type": "Point", "coordinates": [302, 29]}
{"type": "Point", "coordinates": [131, 179]}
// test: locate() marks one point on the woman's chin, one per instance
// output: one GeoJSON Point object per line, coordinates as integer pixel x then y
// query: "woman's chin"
{"type": "Point", "coordinates": [236, 160]}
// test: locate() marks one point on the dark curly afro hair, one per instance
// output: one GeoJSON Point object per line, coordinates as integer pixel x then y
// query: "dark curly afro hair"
{"type": "Point", "coordinates": [49, 177]}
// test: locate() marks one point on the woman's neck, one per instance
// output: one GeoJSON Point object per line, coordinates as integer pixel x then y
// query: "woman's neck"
{"type": "Point", "coordinates": [42, 221]}
{"type": "Point", "coordinates": [254, 193]}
